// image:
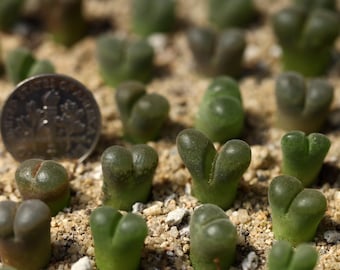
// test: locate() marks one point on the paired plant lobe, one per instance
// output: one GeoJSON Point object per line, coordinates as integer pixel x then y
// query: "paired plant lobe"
{"type": "Point", "coordinates": [46, 180]}
{"type": "Point", "coordinates": [220, 116]}
{"type": "Point", "coordinates": [215, 176]}
{"type": "Point", "coordinates": [142, 114]}
{"type": "Point", "coordinates": [212, 239]}
{"type": "Point", "coordinates": [296, 212]}
{"type": "Point", "coordinates": [118, 239]}
{"type": "Point", "coordinates": [127, 175]}
{"type": "Point", "coordinates": [25, 241]}
{"type": "Point", "coordinates": [303, 156]}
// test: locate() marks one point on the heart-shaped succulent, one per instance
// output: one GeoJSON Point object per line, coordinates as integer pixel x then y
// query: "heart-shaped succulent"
{"type": "Point", "coordinates": [282, 256]}
{"type": "Point", "coordinates": [302, 105]}
{"type": "Point", "coordinates": [25, 240]}
{"type": "Point", "coordinates": [302, 156]}
{"type": "Point", "coordinates": [215, 176]}
{"type": "Point", "coordinates": [45, 180]}
{"type": "Point", "coordinates": [142, 114]}
{"type": "Point", "coordinates": [212, 239]}
{"type": "Point", "coordinates": [296, 212]}
{"type": "Point", "coordinates": [122, 60]}
{"type": "Point", "coordinates": [128, 174]}
{"type": "Point", "coordinates": [118, 240]}
{"type": "Point", "coordinates": [220, 115]}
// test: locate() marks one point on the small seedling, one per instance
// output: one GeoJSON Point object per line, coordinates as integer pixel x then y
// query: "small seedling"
{"type": "Point", "coordinates": [25, 239]}
{"type": "Point", "coordinates": [143, 115]}
{"type": "Point", "coordinates": [9, 13]}
{"type": "Point", "coordinates": [215, 176]}
{"type": "Point", "coordinates": [303, 156]}
{"type": "Point", "coordinates": [152, 16]}
{"type": "Point", "coordinates": [212, 239]}
{"type": "Point", "coordinates": [221, 116]}
{"type": "Point", "coordinates": [282, 256]}
{"type": "Point", "coordinates": [302, 105]}
{"type": "Point", "coordinates": [123, 60]}
{"type": "Point", "coordinates": [217, 54]}
{"type": "Point", "coordinates": [231, 13]}
{"type": "Point", "coordinates": [46, 180]}
{"type": "Point", "coordinates": [296, 212]}
{"type": "Point", "coordinates": [315, 4]}
{"type": "Point", "coordinates": [118, 240]}
{"type": "Point", "coordinates": [306, 39]}
{"type": "Point", "coordinates": [128, 175]}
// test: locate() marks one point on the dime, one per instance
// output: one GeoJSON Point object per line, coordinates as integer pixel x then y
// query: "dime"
{"type": "Point", "coordinates": [50, 116]}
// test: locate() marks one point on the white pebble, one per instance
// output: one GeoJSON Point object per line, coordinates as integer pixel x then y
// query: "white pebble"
{"type": "Point", "coordinates": [82, 264]}
{"type": "Point", "coordinates": [250, 262]}
{"type": "Point", "coordinates": [331, 237]}
{"type": "Point", "coordinates": [176, 216]}
{"type": "Point", "coordinates": [137, 207]}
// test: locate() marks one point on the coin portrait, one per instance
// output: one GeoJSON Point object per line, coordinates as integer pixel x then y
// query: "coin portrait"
{"type": "Point", "coordinates": [50, 116]}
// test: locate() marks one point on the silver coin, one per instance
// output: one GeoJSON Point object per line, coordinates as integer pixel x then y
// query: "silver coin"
{"type": "Point", "coordinates": [50, 116]}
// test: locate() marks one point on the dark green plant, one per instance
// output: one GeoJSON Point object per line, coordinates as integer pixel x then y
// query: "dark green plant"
{"type": "Point", "coordinates": [151, 16]}
{"type": "Point", "coordinates": [9, 13]}
{"type": "Point", "coordinates": [217, 53]}
{"type": "Point", "coordinates": [128, 175]}
{"type": "Point", "coordinates": [314, 4]}
{"type": "Point", "coordinates": [25, 239]}
{"type": "Point", "coordinates": [122, 60]}
{"type": "Point", "coordinates": [220, 115]}
{"type": "Point", "coordinates": [143, 115]}
{"type": "Point", "coordinates": [21, 64]}
{"type": "Point", "coordinates": [231, 13]}
{"type": "Point", "coordinates": [212, 239]}
{"type": "Point", "coordinates": [296, 212]}
{"type": "Point", "coordinates": [118, 240]}
{"type": "Point", "coordinates": [46, 180]}
{"type": "Point", "coordinates": [302, 105]}
{"type": "Point", "coordinates": [282, 256]}
{"type": "Point", "coordinates": [215, 176]}
{"type": "Point", "coordinates": [303, 156]}
{"type": "Point", "coordinates": [306, 39]}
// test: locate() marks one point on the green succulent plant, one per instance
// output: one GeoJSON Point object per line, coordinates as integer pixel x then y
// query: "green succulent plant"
{"type": "Point", "coordinates": [306, 39]}
{"type": "Point", "coordinates": [123, 60]}
{"type": "Point", "coordinates": [231, 13]}
{"type": "Point", "coordinates": [217, 54]}
{"type": "Point", "coordinates": [215, 176]}
{"type": "Point", "coordinates": [160, 16]}
{"type": "Point", "coordinates": [314, 4]}
{"type": "Point", "coordinates": [9, 13]}
{"type": "Point", "coordinates": [20, 64]}
{"type": "Point", "coordinates": [143, 115]}
{"type": "Point", "coordinates": [302, 105]}
{"type": "Point", "coordinates": [46, 180]}
{"type": "Point", "coordinates": [212, 239]}
{"type": "Point", "coordinates": [282, 256]}
{"type": "Point", "coordinates": [128, 174]}
{"type": "Point", "coordinates": [296, 211]}
{"type": "Point", "coordinates": [25, 239]}
{"type": "Point", "coordinates": [303, 156]}
{"type": "Point", "coordinates": [220, 115]}
{"type": "Point", "coordinates": [118, 240]}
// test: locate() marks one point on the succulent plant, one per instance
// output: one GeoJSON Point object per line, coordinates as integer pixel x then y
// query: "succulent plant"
{"type": "Point", "coordinates": [128, 175]}
{"type": "Point", "coordinates": [212, 239]}
{"type": "Point", "coordinates": [302, 156]}
{"type": "Point", "coordinates": [25, 240]}
{"type": "Point", "coordinates": [9, 13]}
{"type": "Point", "coordinates": [221, 116]}
{"type": "Point", "coordinates": [217, 54]}
{"type": "Point", "coordinates": [282, 256]}
{"type": "Point", "coordinates": [160, 16]}
{"type": "Point", "coordinates": [143, 115]}
{"type": "Point", "coordinates": [296, 211]}
{"type": "Point", "coordinates": [215, 176]}
{"type": "Point", "coordinates": [302, 105]}
{"type": "Point", "coordinates": [306, 39]}
{"type": "Point", "coordinates": [231, 13]}
{"type": "Point", "coordinates": [46, 180]}
{"type": "Point", "coordinates": [122, 60]}
{"type": "Point", "coordinates": [314, 4]}
{"type": "Point", "coordinates": [21, 64]}
{"type": "Point", "coordinates": [118, 240]}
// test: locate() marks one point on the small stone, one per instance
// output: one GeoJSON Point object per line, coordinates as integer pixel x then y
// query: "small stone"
{"type": "Point", "coordinates": [154, 210]}
{"type": "Point", "coordinates": [137, 207]}
{"type": "Point", "coordinates": [185, 231]}
{"type": "Point", "coordinates": [331, 237]}
{"type": "Point", "coordinates": [82, 264]}
{"type": "Point", "coordinates": [250, 262]}
{"type": "Point", "coordinates": [176, 216]}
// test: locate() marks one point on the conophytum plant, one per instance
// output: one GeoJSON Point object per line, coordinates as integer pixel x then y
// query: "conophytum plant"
{"type": "Point", "coordinates": [118, 239]}
{"type": "Point", "coordinates": [215, 176]}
